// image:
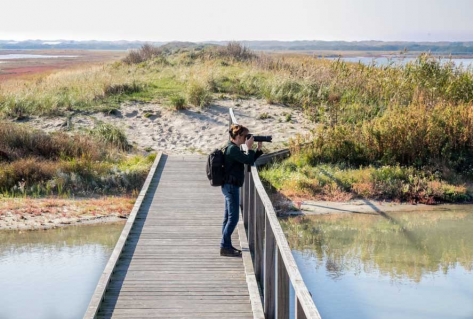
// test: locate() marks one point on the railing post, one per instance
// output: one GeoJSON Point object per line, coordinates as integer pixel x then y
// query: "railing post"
{"type": "Point", "coordinates": [283, 289]}
{"type": "Point", "coordinates": [251, 216]}
{"type": "Point", "coordinates": [259, 238]}
{"type": "Point", "coordinates": [245, 200]}
{"type": "Point", "coordinates": [299, 313]}
{"type": "Point", "coordinates": [269, 289]}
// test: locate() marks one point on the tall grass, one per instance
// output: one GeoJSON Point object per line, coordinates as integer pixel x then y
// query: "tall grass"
{"type": "Point", "coordinates": [36, 163]}
{"type": "Point", "coordinates": [298, 178]}
{"type": "Point", "coordinates": [111, 135]}
{"type": "Point", "coordinates": [66, 91]}
{"type": "Point", "coordinates": [415, 135]}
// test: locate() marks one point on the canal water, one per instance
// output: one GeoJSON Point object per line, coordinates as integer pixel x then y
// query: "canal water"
{"type": "Point", "coordinates": [33, 56]}
{"type": "Point", "coordinates": [52, 274]}
{"type": "Point", "coordinates": [401, 61]}
{"type": "Point", "coordinates": [387, 265]}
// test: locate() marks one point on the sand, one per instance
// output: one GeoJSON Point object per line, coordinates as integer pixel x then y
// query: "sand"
{"type": "Point", "coordinates": [154, 127]}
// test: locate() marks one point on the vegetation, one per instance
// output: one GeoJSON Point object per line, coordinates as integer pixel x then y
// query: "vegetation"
{"type": "Point", "coordinates": [405, 131]}
{"type": "Point", "coordinates": [36, 163]}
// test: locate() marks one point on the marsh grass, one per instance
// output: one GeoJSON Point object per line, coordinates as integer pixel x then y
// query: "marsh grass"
{"type": "Point", "coordinates": [294, 178]}
{"type": "Point", "coordinates": [35, 163]}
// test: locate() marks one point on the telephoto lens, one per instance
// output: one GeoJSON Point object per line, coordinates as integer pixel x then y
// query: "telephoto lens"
{"type": "Point", "coordinates": [260, 138]}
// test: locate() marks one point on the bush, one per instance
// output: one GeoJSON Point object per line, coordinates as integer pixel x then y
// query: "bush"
{"type": "Point", "coordinates": [145, 53]}
{"type": "Point", "coordinates": [198, 94]}
{"type": "Point", "coordinates": [233, 51]}
{"type": "Point", "coordinates": [178, 102]}
{"type": "Point", "coordinates": [111, 135]}
{"type": "Point", "coordinates": [122, 88]}
{"type": "Point", "coordinates": [414, 135]}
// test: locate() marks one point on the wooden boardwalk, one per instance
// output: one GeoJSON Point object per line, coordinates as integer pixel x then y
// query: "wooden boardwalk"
{"type": "Point", "coordinates": [170, 266]}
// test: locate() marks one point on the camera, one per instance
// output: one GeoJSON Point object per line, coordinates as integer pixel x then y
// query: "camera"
{"type": "Point", "coordinates": [260, 138]}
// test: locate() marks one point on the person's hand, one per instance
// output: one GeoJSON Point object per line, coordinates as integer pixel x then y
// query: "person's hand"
{"type": "Point", "coordinates": [259, 146]}
{"type": "Point", "coordinates": [249, 143]}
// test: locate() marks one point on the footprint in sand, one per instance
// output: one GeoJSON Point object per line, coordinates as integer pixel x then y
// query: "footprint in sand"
{"type": "Point", "coordinates": [131, 114]}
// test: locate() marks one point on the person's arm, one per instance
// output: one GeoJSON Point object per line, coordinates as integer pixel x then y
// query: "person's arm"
{"type": "Point", "coordinates": [238, 156]}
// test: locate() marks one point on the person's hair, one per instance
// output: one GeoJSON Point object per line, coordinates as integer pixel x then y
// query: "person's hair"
{"type": "Point", "coordinates": [237, 129]}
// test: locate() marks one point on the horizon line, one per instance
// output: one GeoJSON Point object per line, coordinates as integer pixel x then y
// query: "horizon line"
{"type": "Point", "coordinates": [205, 41]}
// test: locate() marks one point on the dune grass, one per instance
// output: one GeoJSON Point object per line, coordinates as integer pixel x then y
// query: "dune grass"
{"type": "Point", "coordinates": [416, 117]}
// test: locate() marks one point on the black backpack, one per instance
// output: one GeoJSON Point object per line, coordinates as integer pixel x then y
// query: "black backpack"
{"type": "Point", "coordinates": [215, 167]}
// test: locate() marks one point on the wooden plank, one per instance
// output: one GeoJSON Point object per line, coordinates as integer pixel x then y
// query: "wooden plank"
{"type": "Point", "coordinates": [272, 157]}
{"type": "Point", "coordinates": [299, 312]}
{"type": "Point", "coordinates": [185, 298]}
{"type": "Point", "coordinates": [251, 215]}
{"type": "Point", "coordinates": [283, 289]}
{"type": "Point", "coordinates": [259, 234]}
{"type": "Point", "coordinates": [217, 309]}
{"type": "Point", "coordinates": [175, 315]}
{"type": "Point", "coordinates": [216, 305]}
{"type": "Point", "coordinates": [269, 283]}
{"type": "Point", "coordinates": [254, 293]}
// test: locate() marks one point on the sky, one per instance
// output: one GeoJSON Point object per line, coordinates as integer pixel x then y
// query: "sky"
{"type": "Point", "coordinates": [238, 20]}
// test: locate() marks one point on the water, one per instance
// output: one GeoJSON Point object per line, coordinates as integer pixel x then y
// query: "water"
{"type": "Point", "coordinates": [33, 56]}
{"type": "Point", "coordinates": [384, 61]}
{"type": "Point", "coordinates": [401, 265]}
{"type": "Point", "coordinates": [53, 274]}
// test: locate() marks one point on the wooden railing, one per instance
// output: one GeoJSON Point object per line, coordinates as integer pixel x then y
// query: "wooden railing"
{"type": "Point", "coordinates": [275, 267]}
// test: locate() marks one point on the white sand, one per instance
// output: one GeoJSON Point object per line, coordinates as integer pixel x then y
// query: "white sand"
{"type": "Point", "coordinates": [194, 130]}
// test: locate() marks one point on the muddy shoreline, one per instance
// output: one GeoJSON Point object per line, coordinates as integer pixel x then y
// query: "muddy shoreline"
{"type": "Point", "coordinates": [50, 213]}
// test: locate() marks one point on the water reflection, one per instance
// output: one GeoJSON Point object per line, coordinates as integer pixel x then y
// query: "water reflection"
{"type": "Point", "coordinates": [357, 265]}
{"type": "Point", "coordinates": [53, 273]}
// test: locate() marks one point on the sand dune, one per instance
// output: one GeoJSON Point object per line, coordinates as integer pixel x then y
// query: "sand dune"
{"type": "Point", "coordinates": [194, 130]}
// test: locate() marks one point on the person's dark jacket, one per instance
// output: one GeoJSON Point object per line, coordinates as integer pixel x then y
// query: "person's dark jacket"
{"type": "Point", "coordinates": [234, 163]}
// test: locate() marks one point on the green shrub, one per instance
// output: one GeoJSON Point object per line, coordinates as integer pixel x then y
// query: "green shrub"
{"type": "Point", "coordinates": [145, 53]}
{"type": "Point", "coordinates": [178, 102]}
{"type": "Point", "coordinates": [110, 134]}
{"type": "Point", "coordinates": [198, 94]}
{"type": "Point", "coordinates": [122, 88]}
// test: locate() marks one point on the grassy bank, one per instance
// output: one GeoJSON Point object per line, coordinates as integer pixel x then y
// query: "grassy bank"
{"type": "Point", "coordinates": [92, 162]}
{"type": "Point", "coordinates": [394, 132]}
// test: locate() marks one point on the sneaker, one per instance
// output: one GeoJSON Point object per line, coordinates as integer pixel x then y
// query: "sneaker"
{"type": "Point", "coordinates": [237, 249]}
{"type": "Point", "coordinates": [230, 252]}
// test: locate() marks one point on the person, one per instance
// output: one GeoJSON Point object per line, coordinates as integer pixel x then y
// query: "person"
{"type": "Point", "coordinates": [233, 180]}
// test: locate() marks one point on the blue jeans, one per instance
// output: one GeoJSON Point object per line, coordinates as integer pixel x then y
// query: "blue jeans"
{"type": "Point", "coordinates": [231, 215]}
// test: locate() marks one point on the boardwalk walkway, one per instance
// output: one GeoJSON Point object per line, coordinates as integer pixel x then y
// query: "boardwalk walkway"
{"type": "Point", "coordinates": [170, 265]}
